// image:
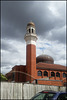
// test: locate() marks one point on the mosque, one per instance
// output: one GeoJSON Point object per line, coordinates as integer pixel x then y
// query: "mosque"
{"type": "Point", "coordinates": [40, 69]}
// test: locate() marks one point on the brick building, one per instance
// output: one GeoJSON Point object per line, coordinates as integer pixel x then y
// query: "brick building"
{"type": "Point", "coordinates": [41, 69]}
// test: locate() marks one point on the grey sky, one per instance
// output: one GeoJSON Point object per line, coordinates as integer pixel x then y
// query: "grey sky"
{"type": "Point", "coordinates": [50, 20]}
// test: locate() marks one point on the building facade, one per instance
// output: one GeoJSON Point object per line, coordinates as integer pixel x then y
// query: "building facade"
{"type": "Point", "coordinates": [41, 69]}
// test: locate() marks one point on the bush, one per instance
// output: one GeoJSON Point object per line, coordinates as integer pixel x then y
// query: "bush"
{"type": "Point", "coordinates": [2, 77]}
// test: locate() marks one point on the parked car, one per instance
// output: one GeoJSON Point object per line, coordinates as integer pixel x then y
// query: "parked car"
{"type": "Point", "coordinates": [50, 95]}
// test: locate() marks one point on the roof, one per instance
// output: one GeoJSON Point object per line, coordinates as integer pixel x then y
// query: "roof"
{"type": "Point", "coordinates": [19, 66]}
{"type": "Point", "coordinates": [45, 59]}
{"type": "Point", "coordinates": [30, 23]}
{"type": "Point", "coordinates": [52, 91]}
{"type": "Point", "coordinates": [50, 66]}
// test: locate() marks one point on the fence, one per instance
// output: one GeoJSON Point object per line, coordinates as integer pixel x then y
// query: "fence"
{"type": "Point", "coordinates": [24, 91]}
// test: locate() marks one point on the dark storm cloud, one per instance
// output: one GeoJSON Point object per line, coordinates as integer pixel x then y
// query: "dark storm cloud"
{"type": "Point", "coordinates": [57, 34]}
{"type": "Point", "coordinates": [16, 15]}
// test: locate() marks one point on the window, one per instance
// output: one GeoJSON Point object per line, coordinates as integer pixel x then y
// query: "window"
{"type": "Point", "coordinates": [32, 30]}
{"type": "Point", "coordinates": [57, 74]}
{"type": "Point", "coordinates": [13, 76]}
{"type": "Point", "coordinates": [39, 73]}
{"type": "Point", "coordinates": [44, 96]}
{"type": "Point", "coordinates": [52, 74]}
{"type": "Point", "coordinates": [64, 75]}
{"type": "Point", "coordinates": [29, 30]}
{"type": "Point", "coordinates": [62, 97]}
{"type": "Point", "coordinates": [45, 73]}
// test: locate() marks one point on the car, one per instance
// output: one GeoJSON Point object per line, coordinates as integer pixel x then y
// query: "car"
{"type": "Point", "coordinates": [50, 95]}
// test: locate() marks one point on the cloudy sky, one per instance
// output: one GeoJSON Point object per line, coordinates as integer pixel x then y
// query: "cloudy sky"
{"type": "Point", "coordinates": [50, 21]}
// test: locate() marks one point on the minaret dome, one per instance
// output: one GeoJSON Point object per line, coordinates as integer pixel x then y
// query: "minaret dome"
{"type": "Point", "coordinates": [30, 24]}
{"type": "Point", "coordinates": [31, 28]}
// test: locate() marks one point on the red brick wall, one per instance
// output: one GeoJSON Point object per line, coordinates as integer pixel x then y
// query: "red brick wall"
{"type": "Point", "coordinates": [49, 74]}
{"type": "Point", "coordinates": [31, 61]}
{"type": "Point", "coordinates": [56, 80]}
{"type": "Point", "coordinates": [50, 82]}
{"type": "Point", "coordinates": [20, 76]}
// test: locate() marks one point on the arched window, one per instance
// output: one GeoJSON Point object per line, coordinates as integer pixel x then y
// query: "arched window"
{"type": "Point", "coordinates": [39, 73]}
{"type": "Point", "coordinates": [52, 74]}
{"type": "Point", "coordinates": [45, 73]}
{"type": "Point", "coordinates": [13, 76]}
{"type": "Point", "coordinates": [57, 74]}
{"type": "Point", "coordinates": [64, 75]}
{"type": "Point", "coordinates": [32, 30]}
{"type": "Point", "coordinates": [29, 30]}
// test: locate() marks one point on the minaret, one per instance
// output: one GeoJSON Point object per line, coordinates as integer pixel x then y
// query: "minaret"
{"type": "Point", "coordinates": [30, 38]}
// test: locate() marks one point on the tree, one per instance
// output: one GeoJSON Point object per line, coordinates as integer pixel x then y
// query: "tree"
{"type": "Point", "coordinates": [2, 77]}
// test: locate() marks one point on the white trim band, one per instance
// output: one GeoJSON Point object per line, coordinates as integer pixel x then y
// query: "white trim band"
{"type": "Point", "coordinates": [31, 42]}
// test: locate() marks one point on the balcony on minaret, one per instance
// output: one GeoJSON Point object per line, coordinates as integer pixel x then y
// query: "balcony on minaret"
{"type": "Point", "coordinates": [30, 35]}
